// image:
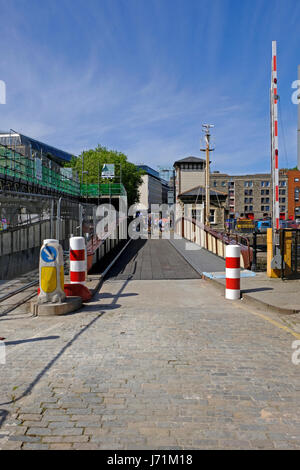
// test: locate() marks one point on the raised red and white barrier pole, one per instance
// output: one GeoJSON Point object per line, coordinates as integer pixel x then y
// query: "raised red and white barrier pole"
{"type": "Point", "coordinates": [78, 260]}
{"type": "Point", "coordinates": [274, 118]}
{"type": "Point", "coordinates": [233, 272]}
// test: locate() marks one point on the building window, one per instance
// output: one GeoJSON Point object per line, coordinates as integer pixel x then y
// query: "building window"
{"type": "Point", "coordinates": [246, 209]}
{"type": "Point", "coordinates": [267, 208]}
{"type": "Point", "coordinates": [212, 217]}
{"type": "Point", "coordinates": [296, 180]}
{"type": "Point", "coordinates": [246, 200]}
{"type": "Point", "coordinates": [223, 183]}
{"type": "Point", "coordinates": [267, 199]}
{"type": "Point", "coordinates": [215, 184]}
{"type": "Point", "coordinates": [262, 200]}
{"type": "Point", "coordinates": [297, 191]}
{"type": "Point", "coordinates": [283, 183]}
{"type": "Point", "coordinates": [262, 208]}
{"type": "Point", "coordinates": [250, 208]}
{"type": "Point", "coordinates": [262, 192]}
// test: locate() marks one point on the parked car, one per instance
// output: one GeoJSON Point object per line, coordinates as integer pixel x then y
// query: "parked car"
{"type": "Point", "coordinates": [261, 226]}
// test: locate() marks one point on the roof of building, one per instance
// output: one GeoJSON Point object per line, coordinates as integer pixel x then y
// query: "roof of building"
{"type": "Point", "coordinates": [190, 160]}
{"type": "Point", "coordinates": [248, 175]}
{"type": "Point", "coordinates": [200, 191]}
{"type": "Point", "coordinates": [149, 171]}
{"type": "Point", "coordinates": [54, 153]}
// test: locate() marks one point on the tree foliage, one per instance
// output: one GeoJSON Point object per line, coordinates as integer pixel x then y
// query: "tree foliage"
{"type": "Point", "coordinates": [131, 176]}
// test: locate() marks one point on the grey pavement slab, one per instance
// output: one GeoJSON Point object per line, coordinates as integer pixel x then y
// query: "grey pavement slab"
{"type": "Point", "coordinates": [271, 294]}
{"type": "Point", "coordinates": [201, 259]}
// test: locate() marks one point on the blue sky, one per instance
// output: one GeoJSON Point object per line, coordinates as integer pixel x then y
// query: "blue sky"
{"type": "Point", "coordinates": [142, 76]}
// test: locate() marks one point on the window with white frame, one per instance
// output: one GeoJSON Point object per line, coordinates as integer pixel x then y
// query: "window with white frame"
{"type": "Point", "coordinates": [212, 217]}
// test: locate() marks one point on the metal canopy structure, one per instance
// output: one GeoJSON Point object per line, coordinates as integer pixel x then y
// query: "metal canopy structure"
{"type": "Point", "coordinates": [19, 142]}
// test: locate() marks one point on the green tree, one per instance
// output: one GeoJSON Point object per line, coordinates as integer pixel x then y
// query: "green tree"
{"type": "Point", "coordinates": [95, 159]}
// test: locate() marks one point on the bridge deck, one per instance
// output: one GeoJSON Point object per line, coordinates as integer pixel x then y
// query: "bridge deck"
{"type": "Point", "coordinates": [152, 259]}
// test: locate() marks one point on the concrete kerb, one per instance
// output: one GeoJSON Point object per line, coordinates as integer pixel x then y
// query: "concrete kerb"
{"type": "Point", "coordinates": [247, 299]}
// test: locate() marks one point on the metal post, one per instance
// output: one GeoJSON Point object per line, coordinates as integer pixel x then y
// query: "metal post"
{"type": "Point", "coordinates": [276, 261]}
{"type": "Point", "coordinates": [282, 248]}
{"type": "Point", "coordinates": [207, 184]}
{"type": "Point", "coordinates": [296, 251]}
{"type": "Point", "coordinates": [80, 220]}
{"type": "Point", "coordinates": [58, 219]}
{"type": "Point", "coordinates": [82, 170]}
{"type": "Point", "coordinates": [274, 120]}
{"type": "Point", "coordinates": [51, 219]}
{"type": "Point", "coordinates": [298, 150]}
{"type": "Point", "coordinates": [254, 261]}
{"type": "Point", "coordinates": [98, 183]}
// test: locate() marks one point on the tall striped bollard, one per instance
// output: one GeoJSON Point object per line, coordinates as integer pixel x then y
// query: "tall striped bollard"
{"type": "Point", "coordinates": [78, 261]}
{"type": "Point", "coordinates": [233, 272]}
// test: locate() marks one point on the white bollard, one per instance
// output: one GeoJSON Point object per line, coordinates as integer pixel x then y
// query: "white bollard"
{"type": "Point", "coordinates": [233, 272]}
{"type": "Point", "coordinates": [51, 273]}
{"type": "Point", "coordinates": [78, 260]}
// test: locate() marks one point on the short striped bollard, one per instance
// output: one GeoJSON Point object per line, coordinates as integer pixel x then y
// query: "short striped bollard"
{"type": "Point", "coordinates": [78, 261]}
{"type": "Point", "coordinates": [233, 272]}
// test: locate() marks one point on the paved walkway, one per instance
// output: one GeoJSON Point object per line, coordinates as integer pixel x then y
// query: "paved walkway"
{"type": "Point", "coordinates": [158, 364]}
{"type": "Point", "coordinates": [201, 259]}
{"type": "Point", "coordinates": [268, 294]}
{"type": "Point", "coordinates": [152, 259]}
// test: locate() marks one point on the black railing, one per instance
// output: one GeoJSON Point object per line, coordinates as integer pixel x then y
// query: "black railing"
{"type": "Point", "coordinates": [290, 251]}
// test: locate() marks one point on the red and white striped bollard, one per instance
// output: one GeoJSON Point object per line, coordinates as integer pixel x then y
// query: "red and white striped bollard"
{"type": "Point", "coordinates": [78, 261]}
{"type": "Point", "coordinates": [233, 272]}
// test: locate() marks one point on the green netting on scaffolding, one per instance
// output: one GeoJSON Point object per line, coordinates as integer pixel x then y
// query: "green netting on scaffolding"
{"type": "Point", "coordinates": [103, 189]}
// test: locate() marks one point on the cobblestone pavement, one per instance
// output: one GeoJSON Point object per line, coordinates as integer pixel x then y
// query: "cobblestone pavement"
{"type": "Point", "coordinates": [152, 364]}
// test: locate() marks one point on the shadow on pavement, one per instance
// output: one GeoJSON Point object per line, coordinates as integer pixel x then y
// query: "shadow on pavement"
{"type": "Point", "coordinates": [4, 413]}
{"type": "Point", "coordinates": [258, 289]}
{"type": "Point", "coordinates": [31, 340]}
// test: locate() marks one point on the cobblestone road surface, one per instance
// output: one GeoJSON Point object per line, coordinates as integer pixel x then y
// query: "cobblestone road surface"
{"type": "Point", "coordinates": [159, 364]}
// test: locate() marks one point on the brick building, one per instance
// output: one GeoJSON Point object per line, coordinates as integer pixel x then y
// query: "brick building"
{"type": "Point", "coordinates": [251, 195]}
{"type": "Point", "coordinates": [293, 194]}
{"type": "Point", "coordinates": [247, 195]}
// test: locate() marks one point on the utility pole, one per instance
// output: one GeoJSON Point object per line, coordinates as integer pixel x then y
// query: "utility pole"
{"type": "Point", "coordinates": [206, 129]}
